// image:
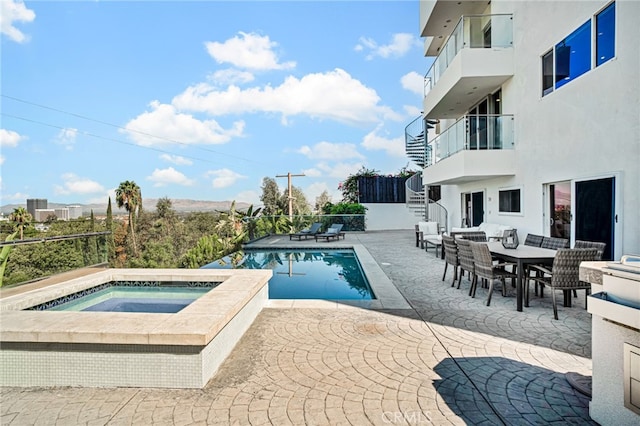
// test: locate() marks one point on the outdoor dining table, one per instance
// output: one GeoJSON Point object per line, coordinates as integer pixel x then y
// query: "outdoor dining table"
{"type": "Point", "coordinates": [521, 256]}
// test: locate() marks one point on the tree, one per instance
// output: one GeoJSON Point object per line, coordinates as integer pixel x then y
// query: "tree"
{"type": "Point", "coordinates": [164, 208]}
{"type": "Point", "coordinates": [322, 200]}
{"type": "Point", "coordinates": [22, 218]}
{"type": "Point", "coordinates": [349, 187]}
{"type": "Point", "coordinates": [129, 195]}
{"type": "Point", "coordinates": [270, 196]}
{"type": "Point", "coordinates": [300, 203]}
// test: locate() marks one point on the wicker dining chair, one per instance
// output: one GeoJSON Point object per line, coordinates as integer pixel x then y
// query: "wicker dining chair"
{"type": "Point", "coordinates": [600, 247]}
{"type": "Point", "coordinates": [465, 260]}
{"type": "Point", "coordinates": [486, 269]}
{"type": "Point", "coordinates": [564, 273]}
{"type": "Point", "coordinates": [533, 240]}
{"type": "Point", "coordinates": [450, 257]}
{"type": "Point", "coordinates": [478, 236]}
{"type": "Point", "coordinates": [554, 243]}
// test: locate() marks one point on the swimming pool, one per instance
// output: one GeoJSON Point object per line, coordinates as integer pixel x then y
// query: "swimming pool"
{"type": "Point", "coordinates": [305, 274]}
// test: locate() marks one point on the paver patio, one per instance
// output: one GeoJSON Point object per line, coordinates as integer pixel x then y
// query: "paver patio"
{"type": "Point", "coordinates": [448, 360]}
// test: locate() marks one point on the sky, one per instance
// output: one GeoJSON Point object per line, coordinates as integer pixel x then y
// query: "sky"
{"type": "Point", "coordinates": [202, 100]}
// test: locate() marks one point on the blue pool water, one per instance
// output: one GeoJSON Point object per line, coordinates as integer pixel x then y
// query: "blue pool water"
{"type": "Point", "coordinates": [305, 274]}
{"type": "Point", "coordinates": [134, 299]}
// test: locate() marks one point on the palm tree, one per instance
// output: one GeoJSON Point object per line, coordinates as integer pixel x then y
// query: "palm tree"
{"type": "Point", "coordinates": [129, 195]}
{"type": "Point", "coordinates": [22, 218]}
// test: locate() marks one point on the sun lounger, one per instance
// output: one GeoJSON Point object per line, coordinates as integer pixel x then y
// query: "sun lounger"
{"type": "Point", "coordinates": [334, 232]}
{"type": "Point", "coordinates": [307, 233]}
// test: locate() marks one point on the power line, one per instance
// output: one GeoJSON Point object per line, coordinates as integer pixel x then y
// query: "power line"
{"type": "Point", "coordinates": [120, 128]}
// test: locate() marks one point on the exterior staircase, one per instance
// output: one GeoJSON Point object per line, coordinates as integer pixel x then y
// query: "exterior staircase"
{"type": "Point", "coordinates": [419, 152]}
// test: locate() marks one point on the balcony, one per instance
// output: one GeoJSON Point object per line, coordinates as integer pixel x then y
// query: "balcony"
{"type": "Point", "coordinates": [475, 147]}
{"type": "Point", "coordinates": [475, 60]}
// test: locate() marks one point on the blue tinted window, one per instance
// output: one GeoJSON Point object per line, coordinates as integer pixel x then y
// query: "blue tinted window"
{"type": "Point", "coordinates": [573, 55]}
{"type": "Point", "coordinates": [606, 34]}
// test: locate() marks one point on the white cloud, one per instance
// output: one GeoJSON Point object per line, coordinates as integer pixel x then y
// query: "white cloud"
{"type": "Point", "coordinates": [329, 151]}
{"type": "Point", "coordinates": [230, 76]}
{"type": "Point", "coordinates": [163, 177]}
{"type": "Point", "coordinates": [1, 161]}
{"type": "Point", "coordinates": [393, 147]}
{"type": "Point", "coordinates": [400, 44]}
{"type": "Point", "coordinates": [248, 50]}
{"type": "Point", "coordinates": [413, 82]}
{"type": "Point", "coordinates": [104, 198]}
{"type": "Point", "coordinates": [10, 139]}
{"type": "Point", "coordinates": [338, 171]}
{"type": "Point", "coordinates": [412, 110]}
{"type": "Point", "coordinates": [332, 95]}
{"type": "Point", "coordinates": [315, 189]}
{"type": "Point", "coordinates": [75, 185]}
{"type": "Point", "coordinates": [251, 197]}
{"type": "Point", "coordinates": [18, 196]}
{"type": "Point", "coordinates": [67, 138]}
{"type": "Point", "coordinates": [176, 159]}
{"type": "Point", "coordinates": [167, 126]}
{"type": "Point", "coordinates": [223, 178]}
{"type": "Point", "coordinates": [12, 11]}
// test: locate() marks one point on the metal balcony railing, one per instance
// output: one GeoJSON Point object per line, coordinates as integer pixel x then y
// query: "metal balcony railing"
{"type": "Point", "coordinates": [471, 32]}
{"type": "Point", "coordinates": [473, 132]}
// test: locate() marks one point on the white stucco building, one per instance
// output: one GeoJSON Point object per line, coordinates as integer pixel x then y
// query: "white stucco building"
{"type": "Point", "coordinates": [532, 110]}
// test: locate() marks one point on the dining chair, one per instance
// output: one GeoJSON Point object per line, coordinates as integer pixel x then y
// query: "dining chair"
{"type": "Point", "coordinates": [486, 269]}
{"type": "Point", "coordinates": [533, 240]}
{"type": "Point", "coordinates": [554, 243]}
{"type": "Point", "coordinates": [450, 257]}
{"type": "Point", "coordinates": [600, 247]}
{"type": "Point", "coordinates": [478, 236]}
{"type": "Point", "coordinates": [564, 273]}
{"type": "Point", "coordinates": [465, 260]}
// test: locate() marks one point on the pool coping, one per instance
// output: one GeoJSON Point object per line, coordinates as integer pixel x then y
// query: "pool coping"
{"type": "Point", "coordinates": [386, 293]}
{"type": "Point", "coordinates": [195, 325]}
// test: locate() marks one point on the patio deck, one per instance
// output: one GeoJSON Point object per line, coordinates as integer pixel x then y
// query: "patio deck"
{"type": "Point", "coordinates": [445, 359]}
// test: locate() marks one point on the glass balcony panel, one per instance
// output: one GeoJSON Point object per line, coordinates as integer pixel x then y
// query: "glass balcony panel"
{"type": "Point", "coordinates": [474, 132]}
{"type": "Point", "coordinates": [478, 31]}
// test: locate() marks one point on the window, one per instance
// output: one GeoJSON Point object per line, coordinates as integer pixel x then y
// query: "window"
{"type": "Point", "coordinates": [606, 34]}
{"type": "Point", "coordinates": [573, 55]}
{"type": "Point", "coordinates": [547, 73]}
{"type": "Point", "coordinates": [509, 201]}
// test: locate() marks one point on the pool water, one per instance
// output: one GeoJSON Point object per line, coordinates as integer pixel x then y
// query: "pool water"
{"type": "Point", "coordinates": [305, 274]}
{"type": "Point", "coordinates": [135, 299]}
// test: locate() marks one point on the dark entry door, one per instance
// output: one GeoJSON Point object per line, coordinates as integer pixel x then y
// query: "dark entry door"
{"type": "Point", "coordinates": [477, 208]}
{"type": "Point", "coordinates": [595, 212]}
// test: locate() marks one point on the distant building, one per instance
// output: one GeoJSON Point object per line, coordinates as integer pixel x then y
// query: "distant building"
{"type": "Point", "coordinates": [41, 215]}
{"type": "Point", "coordinates": [62, 214]}
{"type": "Point", "coordinates": [34, 204]}
{"type": "Point", "coordinates": [75, 211]}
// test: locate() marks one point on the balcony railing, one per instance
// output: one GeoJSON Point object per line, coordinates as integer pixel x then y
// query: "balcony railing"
{"type": "Point", "coordinates": [471, 32]}
{"type": "Point", "coordinates": [474, 132]}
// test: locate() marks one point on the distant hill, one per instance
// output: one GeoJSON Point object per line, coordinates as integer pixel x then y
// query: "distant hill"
{"type": "Point", "coordinates": [148, 204]}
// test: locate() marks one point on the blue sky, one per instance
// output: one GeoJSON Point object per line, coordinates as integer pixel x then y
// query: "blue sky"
{"type": "Point", "coordinates": [203, 99]}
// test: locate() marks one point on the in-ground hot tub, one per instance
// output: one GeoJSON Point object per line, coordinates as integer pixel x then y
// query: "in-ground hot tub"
{"type": "Point", "coordinates": [171, 350]}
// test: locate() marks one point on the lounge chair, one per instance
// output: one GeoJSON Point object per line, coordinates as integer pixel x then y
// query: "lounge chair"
{"type": "Point", "coordinates": [333, 232]}
{"type": "Point", "coordinates": [307, 233]}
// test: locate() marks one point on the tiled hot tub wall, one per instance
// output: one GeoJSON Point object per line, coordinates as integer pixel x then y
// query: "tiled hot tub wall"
{"type": "Point", "coordinates": [182, 350]}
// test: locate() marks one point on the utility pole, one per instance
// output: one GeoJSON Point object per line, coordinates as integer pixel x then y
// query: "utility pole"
{"type": "Point", "coordinates": [290, 197]}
